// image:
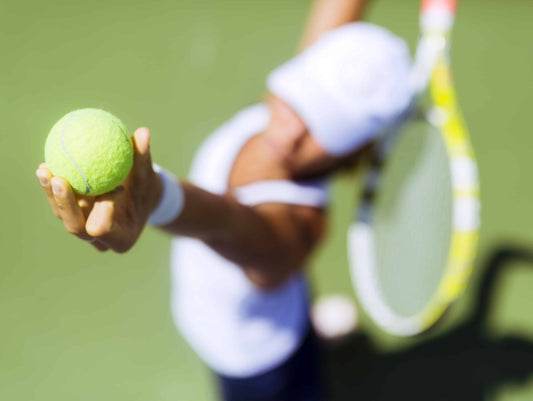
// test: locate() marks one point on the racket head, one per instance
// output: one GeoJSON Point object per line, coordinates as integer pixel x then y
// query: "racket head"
{"type": "Point", "coordinates": [412, 244]}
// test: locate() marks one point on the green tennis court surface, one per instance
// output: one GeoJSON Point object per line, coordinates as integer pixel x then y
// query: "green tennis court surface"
{"type": "Point", "coordinates": [80, 325]}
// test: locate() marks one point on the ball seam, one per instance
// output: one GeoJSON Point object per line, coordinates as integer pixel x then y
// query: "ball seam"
{"type": "Point", "coordinates": [71, 158]}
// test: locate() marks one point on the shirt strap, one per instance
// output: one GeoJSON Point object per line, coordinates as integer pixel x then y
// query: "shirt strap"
{"type": "Point", "coordinates": [305, 193]}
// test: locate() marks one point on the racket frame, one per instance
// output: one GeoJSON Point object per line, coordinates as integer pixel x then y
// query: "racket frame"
{"type": "Point", "coordinates": [431, 70]}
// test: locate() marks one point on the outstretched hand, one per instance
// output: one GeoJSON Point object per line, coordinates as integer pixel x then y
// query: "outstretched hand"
{"type": "Point", "coordinates": [114, 220]}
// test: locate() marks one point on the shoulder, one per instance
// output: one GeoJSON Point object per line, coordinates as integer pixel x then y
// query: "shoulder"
{"type": "Point", "coordinates": [215, 156]}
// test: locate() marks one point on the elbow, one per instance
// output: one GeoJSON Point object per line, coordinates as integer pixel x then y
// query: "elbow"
{"type": "Point", "coordinates": [275, 273]}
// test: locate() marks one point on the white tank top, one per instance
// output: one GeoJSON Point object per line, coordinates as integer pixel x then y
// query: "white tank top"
{"type": "Point", "coordinates": [235, 328]}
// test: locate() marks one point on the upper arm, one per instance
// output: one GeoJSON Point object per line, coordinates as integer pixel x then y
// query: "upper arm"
{"type": "Point", "coordinates": [330, 14]}
{"type": "Point", "coordinates": [290, 220]}
{"type": "Point", "coordinates": [295, 231]}
{"type": "Point", "coordinates": [301, 226]}
{"type": "Point", "coordinates": [262, 228]}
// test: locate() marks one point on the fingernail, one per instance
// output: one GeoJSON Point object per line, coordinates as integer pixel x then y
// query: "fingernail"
{"type": "Point", "coordinates": [56, 188]}
{"type": "Point", "coordinates": [44, 181]}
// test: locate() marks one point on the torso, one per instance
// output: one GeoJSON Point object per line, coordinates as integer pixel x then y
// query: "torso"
{"type": "Point", "coordinates": [235, 328]}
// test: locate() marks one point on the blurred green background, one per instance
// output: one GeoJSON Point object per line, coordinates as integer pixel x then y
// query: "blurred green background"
{"type": "Point", "coordinates": [77, 324]}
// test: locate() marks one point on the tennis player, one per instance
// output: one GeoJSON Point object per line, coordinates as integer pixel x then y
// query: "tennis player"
{"type": "Point", "coordinates": [254, 209]}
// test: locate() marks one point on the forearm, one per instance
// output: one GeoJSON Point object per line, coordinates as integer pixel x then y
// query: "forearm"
{"type": "Point", "coordinates": [329, 14]}
{"type": "Point", "coordinates": [262, 240]}
{"type": "Point", "coordinates": [205, 215]}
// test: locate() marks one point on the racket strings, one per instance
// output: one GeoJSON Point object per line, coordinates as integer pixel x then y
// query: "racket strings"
{"type": "Point", "coordinates": [413, 219]}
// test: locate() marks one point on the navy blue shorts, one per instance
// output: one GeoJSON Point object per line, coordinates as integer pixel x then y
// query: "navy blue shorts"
{"type": "Point", "coordinates": [297, 379]}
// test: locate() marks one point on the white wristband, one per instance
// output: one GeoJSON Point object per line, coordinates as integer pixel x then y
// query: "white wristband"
{"type": "Point", "coordinates": [172, 199]}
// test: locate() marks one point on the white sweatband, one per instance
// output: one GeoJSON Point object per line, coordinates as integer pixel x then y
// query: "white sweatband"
{"type": "Point", "coordinates": [172, 199]}
{"type": "Point", "coordinates": [348, 86]}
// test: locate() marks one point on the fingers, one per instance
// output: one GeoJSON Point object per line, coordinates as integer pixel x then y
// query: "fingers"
{"type": "Point", "coordinates": [85, 203]}
{"type": "Point", "coordinates": [72, 209]}
{"type": "Point", "coordinates": [68, 208]}
{"type": "Point", "coordinates": [99, 245]}
{"type": "Point", "coordinates": [109, 221]}
{"type": "Point", "coordinates": [100, 221]}
{"type": "Point", "coordinates": [142, 181]}
{"type": "Point", "coordinates": [45, 176]}
{"type": "Point", "coordinates": [142, 162]}
{"type": "Point", "coordinates": [141, 142]}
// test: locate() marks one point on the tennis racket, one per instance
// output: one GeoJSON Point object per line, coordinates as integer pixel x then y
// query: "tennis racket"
{"type": "Point", "coordinates": [415, 232]}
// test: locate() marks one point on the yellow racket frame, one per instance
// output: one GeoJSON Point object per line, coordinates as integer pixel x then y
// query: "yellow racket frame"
{"type": "Point", "coordinates": [446, 117]}
{"type": "Point", "coordinates": [464, 239]}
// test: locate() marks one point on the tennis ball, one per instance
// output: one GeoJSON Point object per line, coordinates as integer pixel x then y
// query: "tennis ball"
{"type": "Point", "coordinates": [91, 149]}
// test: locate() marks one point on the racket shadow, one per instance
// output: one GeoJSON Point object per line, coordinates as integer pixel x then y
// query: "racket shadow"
{"type": "Point", "coordinates": [465, 363]}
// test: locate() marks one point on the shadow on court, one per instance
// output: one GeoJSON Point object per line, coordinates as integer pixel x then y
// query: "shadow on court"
{"type": "Point", "coordinates": [466, 363]}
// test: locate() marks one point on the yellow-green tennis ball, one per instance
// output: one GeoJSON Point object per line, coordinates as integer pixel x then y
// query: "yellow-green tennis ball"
{"type": "Point", "coordinates": [91, 149]}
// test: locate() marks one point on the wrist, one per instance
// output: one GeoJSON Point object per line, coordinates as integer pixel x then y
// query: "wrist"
{"type": "Point", "coordinates": [156, 191]}
{"type": "Point", "coordinates": [168, 199]}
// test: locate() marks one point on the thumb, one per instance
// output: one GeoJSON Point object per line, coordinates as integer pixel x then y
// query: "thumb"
{"type": "Point", "coordinates": [141, 141]}
{"type": "Point", "coordinates": [141, 147]}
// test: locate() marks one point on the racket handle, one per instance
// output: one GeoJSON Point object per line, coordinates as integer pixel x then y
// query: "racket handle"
{"type": "Point", "coordinates": [437, 16]}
